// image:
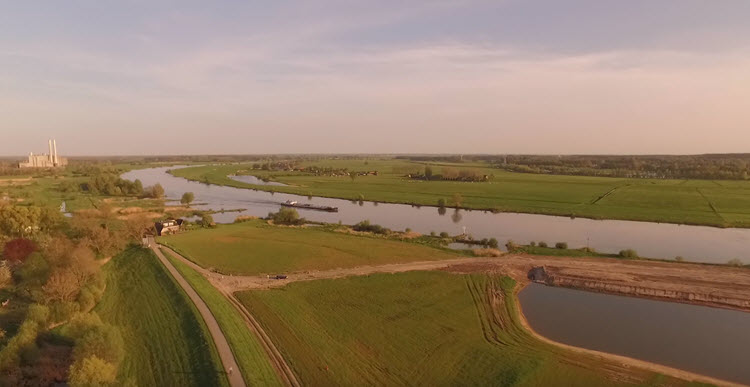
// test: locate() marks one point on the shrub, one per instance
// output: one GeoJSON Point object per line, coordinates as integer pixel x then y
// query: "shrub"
{"type": "Point", "coordinates": [484, 242]}
{"type": "Point", "coordinates": [365, 226]}
{"type": "Point", "coordinates": [441, 203]}
{"type": "Point", "coordinates": [735, 262]}
{"type": "Point", "coordinates": [444, 235]}
{"type": "Point", "coordinates": [18, 250]}
{"type": "Point", "coordinates": [407, 230]}
{"type": "Point", "coordinates": [92, 371]}
{"type": "Point", "coordinates": [492, 243]}
{"type": "Point", "coordinates": [532, 243]}
{"type": "Point", "coordinates": [432, 234]}
{"type": "Point", "coordinates": [511, 246]}
{"type": "Point", "coordinates": [62, 311]}
{"type": "Point", "coordinates": [103, 341]}
{"type": "Point", "coordinates": [207, 221]}
{"type": "Point", "coordinates": [561, 245]}
{"type": "Point", "coordinates": [86, 300]}
{"type": "Point", "coordinates": [286, 215]}
{"type": "Point", "coordinates": [679, 258]}
{"type": "Point", "coordinates": [628, 253]}
{"type": "Point", "coordinates": [543, 244]}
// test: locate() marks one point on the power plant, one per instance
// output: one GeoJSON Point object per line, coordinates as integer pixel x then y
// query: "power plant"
{"type": "Point", "coordinates": [49, 160]}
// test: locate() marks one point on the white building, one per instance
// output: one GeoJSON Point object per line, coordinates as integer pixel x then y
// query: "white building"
{"type": "Point", "coordinates": [49, 160]}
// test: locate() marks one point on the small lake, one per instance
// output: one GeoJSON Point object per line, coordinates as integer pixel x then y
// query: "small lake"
{"type": "Point", "coordinates": [657, 240]}
{"type": "Point", "coordinates": [708, 341]}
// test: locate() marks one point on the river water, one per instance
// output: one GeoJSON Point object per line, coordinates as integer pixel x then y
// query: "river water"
{"type": "Point", "coordinates": [708, 341]}
{"type": "Point", "coordinates": [657, 240]}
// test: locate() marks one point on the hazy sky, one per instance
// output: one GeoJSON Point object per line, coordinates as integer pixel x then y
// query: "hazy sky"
{"type": "Point", "coordinates": [525, 76]}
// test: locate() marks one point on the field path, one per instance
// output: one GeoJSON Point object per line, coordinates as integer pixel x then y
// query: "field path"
{"type": "Point", "coordinates": [222, 346]}
{"type": "Point", "coordinates": [282, 369]}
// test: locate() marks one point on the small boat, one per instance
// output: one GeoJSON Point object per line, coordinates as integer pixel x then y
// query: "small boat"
{"type": "Point", "coordinates": [296, 204]}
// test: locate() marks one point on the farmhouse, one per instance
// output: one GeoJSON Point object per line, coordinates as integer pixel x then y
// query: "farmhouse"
{"type": "Point", "coordinates": [171, 226]}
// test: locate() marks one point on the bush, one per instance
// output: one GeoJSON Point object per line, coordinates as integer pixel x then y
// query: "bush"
{"type": "Point", "coordinates": [628, 253]}
{"type": "Point", "coordinates": [561, 245]}
{"type": "Point", "coordinates": [735, 262]}
{"type": "Point", "coordinates": [103, 341]}
{"type": "Point", "coordinates": [432, 234]}
{"type": "Point", "coordinates": [286, 215]}
{"type": "Point", "coordinates": [511, 246]}
{"type": "Point", "coordinates": [532, 243]}
{"type": "Point", "coordinates": [441, 203]}
{"type": "Point", "coordinates": [484, 242]}
{"type": "Point", "coordinates": [679, 258]}
{"type": "Point", "coordinates": [86, 300]}
{"type": "Point", "coordinates": [492, 243]}
{"type": "Point", "coordinates": [62, 311]}
{"type": "Point", "coordinates": [365, 226]}
{"type": "Point", "coordinates": [543, 244]}
{"type": "Point", "coordinates": [207, 221]}
{"type": "Point", "coordinates": [407, 230]}
{"type": "Point", "coordinates": [92, 371]}
{"type": "Point", "coordinates": [444, 235]}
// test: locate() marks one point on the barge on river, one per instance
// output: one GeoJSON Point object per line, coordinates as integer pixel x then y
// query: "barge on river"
{"type": "Point", "coordinates": [296, 204]}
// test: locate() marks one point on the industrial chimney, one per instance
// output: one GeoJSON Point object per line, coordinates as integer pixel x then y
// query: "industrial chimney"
{"type": "Point", "coordinates": [55, 161]}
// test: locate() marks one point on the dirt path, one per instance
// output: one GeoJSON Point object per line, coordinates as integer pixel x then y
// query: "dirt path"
{"type": "Point", "coordinates": [222, 346]}
{"type": "Point", "coordinates": [282, 369]}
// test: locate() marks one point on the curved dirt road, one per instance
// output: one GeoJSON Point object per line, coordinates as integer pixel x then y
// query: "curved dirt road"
{"type": "Point", "coordinates": [222, 346]}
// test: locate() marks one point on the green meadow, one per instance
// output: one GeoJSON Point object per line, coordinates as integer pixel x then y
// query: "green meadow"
{"type": "Point", "coordinates": [704, 202]}
{"type": "Point", "coordinates": [255, 247]}
{"type": "Point", "coordinates": [166, 340]}
{"type": "Point", "coordinates": [420, 328]}
{"type": "Point", "coordinates": [248, 352]}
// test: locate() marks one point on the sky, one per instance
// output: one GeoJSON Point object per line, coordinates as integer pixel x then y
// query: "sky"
{"type": "Point", "coordinates": [501, 76]}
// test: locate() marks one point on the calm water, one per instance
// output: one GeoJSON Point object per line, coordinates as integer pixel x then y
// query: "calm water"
{"type": "Point", "coordinates": [708, 341]}
{"type": "Point", "coordinates": [254, 180]}
{"type": "Point", "coordinates": [696, 243]}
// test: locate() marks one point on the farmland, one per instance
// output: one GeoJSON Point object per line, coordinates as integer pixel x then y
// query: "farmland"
{"type": "Point", "coordinates": [419, 328]}
{"type": "Point", "coordinates": [705, 202]}
{"type": "Point", "coordinates": [166, 340]}
{"type": "Point", "coordinates": [258, 248]}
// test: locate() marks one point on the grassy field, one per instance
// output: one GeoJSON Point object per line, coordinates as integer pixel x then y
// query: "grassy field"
{"type": "Point", "coordinates": [257, 248]}
{"type": "Point", "coordinates": [705, 202]}
{"type": "Point", "coordinates": [252, 359]}
{"type": "Point", "coordinates": [166, 340]}
{"type": "Point", "coordinates": [419, 328]}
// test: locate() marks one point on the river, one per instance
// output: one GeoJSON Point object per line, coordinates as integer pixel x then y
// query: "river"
{"type": "Point", "coordinates": [708, 341]}
{"type": "Point", "coordinates": [657, 240]}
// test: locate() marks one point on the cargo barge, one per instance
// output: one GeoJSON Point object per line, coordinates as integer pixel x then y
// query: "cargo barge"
{"type": "Point", "coordinates": [296, 204]}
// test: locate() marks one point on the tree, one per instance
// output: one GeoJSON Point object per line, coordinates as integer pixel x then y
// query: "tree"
{"type": "Point", "coordinates": [441, 203]}
{"type": "Point", "coordinates": [92, 371]}
{"type": "Point", "coordinates": [157, 191]}
{"type": "Point", "coordinates": [61, 286]}
{"type": "Point", "coordinates": [735, 262]}
{"type": "Point", "coordinates": [6, 278]}
{"type": "Point", "coordinates": [137, 188]}
{"type": "Point", "coordinates": [285, 215]}
{"type": "Point", "coordinates": [207, 221]}
{"type": "Point", "coordinates": [136, 225]}
{"type": "Point", "coordinates": [428, 172]}
{"type": "Point", "coordinates": [18, 250]}
{"type": "Point", "coordinates": [187, 198]}
{"type": "Point", "coordinates": [457, 199]}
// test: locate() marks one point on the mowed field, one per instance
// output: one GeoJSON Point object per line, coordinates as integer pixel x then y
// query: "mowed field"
{"type": "Point", "coordinates": [419, 328]}
{"type": "Point", "coordinates": [707, 202]}
{"type": "Point", "coordinates": [255, 247]}
{"type": "Point", "coordinates": [166, 341]}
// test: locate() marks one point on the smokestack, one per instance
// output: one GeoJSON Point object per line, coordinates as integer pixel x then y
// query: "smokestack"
{"type": "Point", "coordinates": [49, 155]}
{"type": "Point", "coordinates": [54, 148]}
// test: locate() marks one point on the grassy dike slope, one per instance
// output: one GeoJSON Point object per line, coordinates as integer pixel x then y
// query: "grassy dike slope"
{"type": "Point", "coordinates": [715, 203]}
{"type": "Point", "coordinates": [248, 352]}
{"type": "Point", "coordinates": [420, 328]}
{"type": "Point", "coordinates": [166, 341]}
{"type": "Point", "coordinates": [255, 247]}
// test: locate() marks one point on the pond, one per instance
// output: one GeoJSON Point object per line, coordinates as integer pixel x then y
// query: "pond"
{"type": "Point", "coordinates": [708, 341]}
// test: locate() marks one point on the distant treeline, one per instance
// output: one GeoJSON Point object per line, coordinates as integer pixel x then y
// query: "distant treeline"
{"type": "Point", "coordinates": [710, 166]}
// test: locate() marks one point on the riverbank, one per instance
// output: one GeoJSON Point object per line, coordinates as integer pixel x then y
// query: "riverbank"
{"type": "Point", "coordinates": [689, 202]}
{"type": "Point", "coordinates": [697, 284]}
